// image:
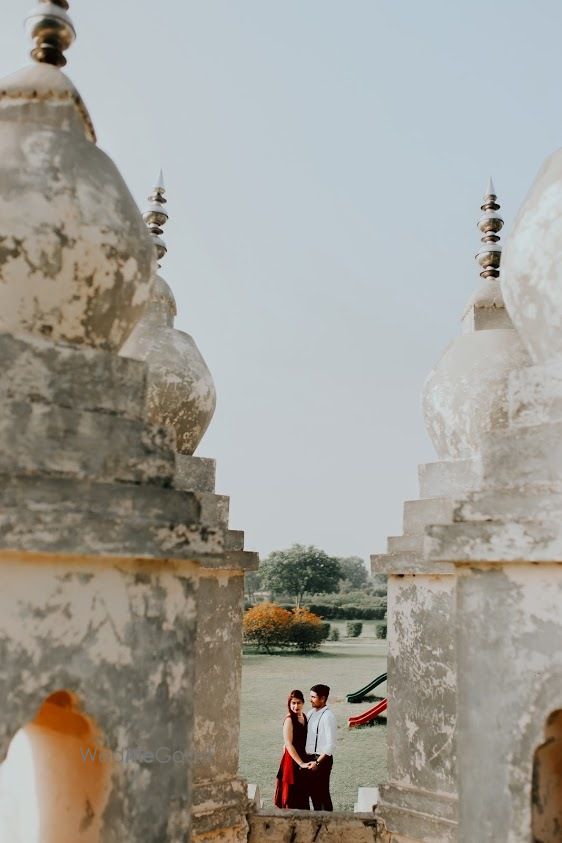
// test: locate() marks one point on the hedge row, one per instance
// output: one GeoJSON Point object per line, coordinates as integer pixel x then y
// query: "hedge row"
{"type": "Point", "coordinates": [348, 612]}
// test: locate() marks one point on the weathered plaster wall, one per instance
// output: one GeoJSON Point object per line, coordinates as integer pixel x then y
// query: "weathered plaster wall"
{"type": "Point", "coordinates": [419, 801]}
{"type": "Point", "coordinates": [219, 798]}
{"type": "Point", "coordinates": [121, 636]}
{"type": "Point", "coordinates": [317, 827]}
{"type": "Point", "coordinates": [509, 636]}
{"type": "Point", "coordinates": [422, 681]}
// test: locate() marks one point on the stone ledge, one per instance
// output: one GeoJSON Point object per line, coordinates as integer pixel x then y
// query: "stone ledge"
{"type": "Point", "coordinates": [518, 541]}
{"type": "Point", "coordinates": [80, 378]}
{"type": "Point", "coordinates": [316, 827]}
{"type": "Point", "coordinates": [39, 438]}
{"type": "Point", "coordinates": [437, 803]}
{"type": "Point", "coordinates": [72, 516]}
{"type": "Point", "coordinates": [402, 564]}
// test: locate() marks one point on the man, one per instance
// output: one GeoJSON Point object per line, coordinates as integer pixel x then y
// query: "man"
{"type": "Point", "coordinates": [320, 745]}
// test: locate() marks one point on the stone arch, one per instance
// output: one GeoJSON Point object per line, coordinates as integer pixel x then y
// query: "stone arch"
{"type": "Point", "coordinates": [546, 793]}
{"type": "Point", "coordinates": [547, 699]}
{"type": "Point", "coordinates": [55, 779]}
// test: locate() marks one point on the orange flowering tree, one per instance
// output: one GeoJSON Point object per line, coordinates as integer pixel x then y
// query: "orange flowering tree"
{"type": "Point", "coordinates": [269, 625]}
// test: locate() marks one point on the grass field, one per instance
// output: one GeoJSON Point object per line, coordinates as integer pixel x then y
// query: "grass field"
{"type": "Point", "coordinates": [346, 665]}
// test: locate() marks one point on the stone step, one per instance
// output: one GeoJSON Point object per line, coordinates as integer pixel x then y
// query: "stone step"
{"type": "Point", "coordinates": [448, 478]}
{"type": "Point", "coordinates": [37, 438]}
{"type": "Point", "coordinates": [234, 540]}
{"type": "Point", "coordinates": [77, 377]}
{"type": "Point", "coordinates": [522, 456]}
{"type": "Point", "coordinates": [406, 543]}
{"type": "Point", "coordinates": [195, 474]}
{"type": "Point", "coordinates": [418, 514]}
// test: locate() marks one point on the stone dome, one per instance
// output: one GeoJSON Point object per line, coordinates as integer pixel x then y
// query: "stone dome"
{"type": "Point", "coordinates": [76, 260]}
{"type": "Point", "coordinates": [465, 395]}
{"type": "Point", "coordinates": [532, 265]}
{"type": "Point", "coordinates": [181, 392]}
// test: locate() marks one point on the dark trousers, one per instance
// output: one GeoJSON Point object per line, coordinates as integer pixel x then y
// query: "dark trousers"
{"type": "Point", "coordinates": [319, 784]}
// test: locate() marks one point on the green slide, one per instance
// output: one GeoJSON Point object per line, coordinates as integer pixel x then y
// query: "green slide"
{"type": "Point", "coordinates": [357, 696]}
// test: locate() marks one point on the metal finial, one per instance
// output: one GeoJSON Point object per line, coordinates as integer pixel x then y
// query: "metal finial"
{"type": "Point", "coordinates": [156, 216]}
{"type": "Point", "coordinates": [52, 31]}
{"type": "Point", "coordinates": [490, 223]}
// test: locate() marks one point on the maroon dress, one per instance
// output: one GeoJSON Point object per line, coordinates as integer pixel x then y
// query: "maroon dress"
{"type": "Point", "coordinates": [291, 789]}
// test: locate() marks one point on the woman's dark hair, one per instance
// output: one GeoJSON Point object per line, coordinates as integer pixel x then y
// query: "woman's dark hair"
{"type": "Point", "coordinates": [294, 695]}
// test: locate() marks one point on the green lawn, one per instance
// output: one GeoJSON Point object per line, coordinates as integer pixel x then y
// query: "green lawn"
{"type": "Point", "coordinates": [345, 666]}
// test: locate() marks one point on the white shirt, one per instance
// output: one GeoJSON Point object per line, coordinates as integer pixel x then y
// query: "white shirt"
{"type": "Point", "coordinates": [323, 721]}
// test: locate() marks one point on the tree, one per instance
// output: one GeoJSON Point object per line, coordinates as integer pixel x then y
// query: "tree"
{"type": "Point", "coordinates": [252, 583]}
{"type": "Point", "coordinates": [354, 572]}
{"type": "Point", "coordinates": [300, 570]}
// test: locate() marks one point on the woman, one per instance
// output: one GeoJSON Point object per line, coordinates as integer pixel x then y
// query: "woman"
{"type": "Point", "coordinates": [291, 790]}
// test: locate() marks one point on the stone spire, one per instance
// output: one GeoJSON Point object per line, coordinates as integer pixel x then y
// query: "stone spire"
{"type": "Point", "coordinates": [181, 392]}
{"type": "Point", "coordinates": [465, 395]}
{"type": "Point", "coordinates": [52, 31]}
{"type": "Point", "coordinates": [156, 216]}
{"type": "Point", "coordinates": [76, 262]}
{"type": "Point", "coordinates": [490, 224]}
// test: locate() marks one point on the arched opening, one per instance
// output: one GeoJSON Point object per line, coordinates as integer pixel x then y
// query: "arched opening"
{"type": "Point", "coordinates": [546, 793]}
{"type": "Point", "coordinates": [55, 779]}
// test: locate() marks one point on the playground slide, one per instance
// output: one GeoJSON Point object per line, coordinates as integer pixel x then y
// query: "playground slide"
{"type": "Point", "coordinates": [357, 696]}
{"type": "Point", "coordinates": [368, 715]}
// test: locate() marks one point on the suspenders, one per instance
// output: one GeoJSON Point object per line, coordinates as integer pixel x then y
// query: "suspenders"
{"type": "Point", "coordinates": [317, 729]}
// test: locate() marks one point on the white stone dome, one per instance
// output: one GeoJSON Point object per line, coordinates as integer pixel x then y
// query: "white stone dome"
{"type": "Point", "coordinates": [532, 265]}
{"type": "Point", "coordinates": [465, 395]}
{"type": "Point", "coordinates": [76, 260]}
{"type": "Point", "coordinates": [181, 392]}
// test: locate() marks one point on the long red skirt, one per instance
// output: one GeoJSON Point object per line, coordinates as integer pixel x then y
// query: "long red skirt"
{"type": "Point", "coordinates": [291, 788]}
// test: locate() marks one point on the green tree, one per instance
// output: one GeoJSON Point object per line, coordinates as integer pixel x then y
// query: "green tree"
{"type": "Point", "coordinates": [354, 572]}
{"type": "Point", "coordinates": [252, 583]}
{"type": "Point", "coordinates": [300, 570]}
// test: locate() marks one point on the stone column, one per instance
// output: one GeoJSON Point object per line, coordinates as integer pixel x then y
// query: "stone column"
{"type": "Point", "coordinates": [506, 544]}
{"type": "Point", "coordinates": [219, 797]}
{"type": "Point", "coordinates": [181, 394]}
{"type": "Point", "coordinates": [464, 398]}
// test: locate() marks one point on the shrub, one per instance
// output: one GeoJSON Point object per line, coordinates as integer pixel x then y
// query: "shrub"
{"type": "Point", "coordinates": [381, 630]}
{"type": "Point", "coordinates": [306, 631]}
{"type": "Point", "coordinates": [267, 625]}
{"type": "Point", "coordinates": [334, 635]}
{"type": "Point", "coordinates": [354, 629]}
{"type": "Point", "coordinates": [325, 630]}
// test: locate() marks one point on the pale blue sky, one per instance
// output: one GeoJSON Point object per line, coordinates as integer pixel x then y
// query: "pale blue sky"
{"type": "Point", "coordinates": [325, 163]}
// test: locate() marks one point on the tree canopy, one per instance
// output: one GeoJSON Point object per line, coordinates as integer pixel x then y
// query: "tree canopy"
{"type": "Point", "coordinates": [354, 572]}
{"type": "Point", "coordinates": [300, 570]}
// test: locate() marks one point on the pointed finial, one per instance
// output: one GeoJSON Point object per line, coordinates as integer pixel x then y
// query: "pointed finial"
{"type": "Point", "coordinates": [156, 216]}
{"type": "Point", "coordinates": [52, 31]}
{"type": "Point", "coordinates": [490, 223]}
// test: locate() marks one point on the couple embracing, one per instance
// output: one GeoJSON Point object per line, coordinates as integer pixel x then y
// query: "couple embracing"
{"type": "Point", "coordinates": [310, 740]}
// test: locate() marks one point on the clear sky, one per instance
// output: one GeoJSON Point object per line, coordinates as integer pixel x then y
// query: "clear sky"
{"type": "Point", "coordinates": [325, 163]}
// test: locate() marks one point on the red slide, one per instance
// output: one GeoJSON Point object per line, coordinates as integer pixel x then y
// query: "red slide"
{"type": "Point", "coordinates": [368, 715]}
